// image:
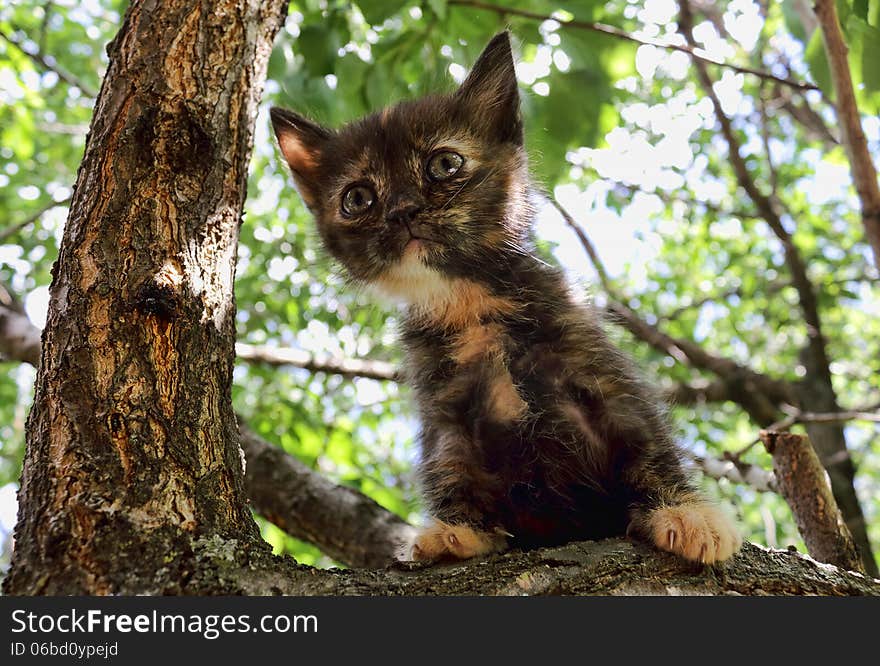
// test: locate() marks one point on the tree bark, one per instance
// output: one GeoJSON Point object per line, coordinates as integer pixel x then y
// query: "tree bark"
{"type": "Point", "coordinates": [344, 523]}
{"type": "Point", "coordinates": [132, 444]}
{"type": "Point", "coordinates": [804, 484]}
{"type": "Point", "coordinates": [218, 566]}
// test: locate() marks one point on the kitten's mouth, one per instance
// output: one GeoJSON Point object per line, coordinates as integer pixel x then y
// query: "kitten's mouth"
{"type": "Point", "coordinates": [415, 245]}
{"type": "Point", "coordinates": [417, 241]}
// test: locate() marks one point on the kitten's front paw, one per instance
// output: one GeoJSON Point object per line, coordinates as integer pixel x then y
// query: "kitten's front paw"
{"type": "Point", "coordinates": [697, 531]}
{"type": "Point", "coordinates": [439, 541]}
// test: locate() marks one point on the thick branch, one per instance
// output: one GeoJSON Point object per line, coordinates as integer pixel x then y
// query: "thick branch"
{"type": "Point", "coordinates": [698, 392]}
{"type": "Point", "coordinates": [611, 567]}
{"type": "Point", "coordinates": [864, 173]}
{"type": "Point", "coordinates": [618, 33]}
{"type": "Point", "coordinates": [802, 482]}
{"type": "Point", "coordinates": [344, 523]}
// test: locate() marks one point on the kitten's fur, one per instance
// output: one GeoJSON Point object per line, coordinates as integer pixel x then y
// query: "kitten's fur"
{"type": "Point", "coordinates": [535, 428]}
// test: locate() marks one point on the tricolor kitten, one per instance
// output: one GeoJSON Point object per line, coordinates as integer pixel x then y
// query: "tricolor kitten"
{"type": "Point", "coordinates": [535, 428]}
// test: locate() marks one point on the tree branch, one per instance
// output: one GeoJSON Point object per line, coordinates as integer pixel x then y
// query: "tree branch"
{"type": "Point", "coordinates": [738, 472]}
{"type": "Point", "coordinates": [671, 199]}
{"type": "Point", "coordinates": [15, 228]}
{"type": "Point", "coordinates": [816, 392]}
{"type": "Point", "coordinates": [49, 63]}
{"type": "Point", "coordinates": [686, 394]}
{"type": "Point", "coordinates": [758, 394]}
{"type": "Point", "coordinates": [765, 207]}
{"type": "Point", "coordinates": [864, 173]}
{"type": "Point", "coordinates": [618, 33]}
{"type": "Point", "coordinates": [826, 417]}
{"type": "Point", "coordinates": [344, 523]}
{"type": "Point", "coordinates": [802, 482]}
{"type": "Point", "coordinates": [297, 358]}
{"type": "Point", "coordinates": [588, 246]}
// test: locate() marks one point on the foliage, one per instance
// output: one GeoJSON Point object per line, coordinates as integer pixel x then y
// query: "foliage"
{"type": "Point", "coordinates": [623, 134]}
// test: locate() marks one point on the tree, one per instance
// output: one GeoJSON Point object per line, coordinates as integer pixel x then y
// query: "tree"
{"type": "Point", "coordinates": [141, 329]}
{"type": "Point", "coordinates": [132, 441]}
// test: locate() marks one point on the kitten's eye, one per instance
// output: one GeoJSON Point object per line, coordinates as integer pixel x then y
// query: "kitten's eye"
{"type": "Point", "coordinates": [444, 165]}
{"type": "Point", "coordinates": [357, 200]}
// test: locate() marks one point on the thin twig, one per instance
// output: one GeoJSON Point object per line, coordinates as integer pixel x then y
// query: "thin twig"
{"type": "Point", "coordinates": [868, 413]}
{"type": "Point", "coordinates": [825, 417]}
{"type": "Point", "coordinates": [588, 246]}
{"type": "Point", "coordinates": [670, 199]}
{"type": "Point", "coordinates": [49, 63]}
{"type": "Point", "coordinates": [619, 33]}
{"type": "Point", "coordinates": [15, 228]}
{"type": "Point", "coordinates": [756, 477]}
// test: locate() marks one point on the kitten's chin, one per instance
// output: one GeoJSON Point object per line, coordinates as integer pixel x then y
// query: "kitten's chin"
{"type": "Point", "coordinates": [411, 281]}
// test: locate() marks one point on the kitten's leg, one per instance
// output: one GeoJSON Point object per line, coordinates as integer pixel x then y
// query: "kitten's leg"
{"type": "Point", "coordinates": [692, 528]}
{"type": "Point", "coordinates": [666, 509]}
{"type": "Point", "coordinates": [675, 517]}
{"type": "Point", "coordinates": [439, 540]}
{"type": "Point", "coordinates": [461, 496]}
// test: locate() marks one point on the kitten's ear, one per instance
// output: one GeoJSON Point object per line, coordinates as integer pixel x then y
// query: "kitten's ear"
{"type": "Point", "coordinates": [301, 143]}
{"type": "Point", "coordinates": [490, 91]}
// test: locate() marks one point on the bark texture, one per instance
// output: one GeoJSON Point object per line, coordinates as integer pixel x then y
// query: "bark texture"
{"type": "Point", "coordinates": [132, 445]}
{"type": "Point", "coordinates": [215, 565]}
{"type": "Point", "coordinates": [803, 483]}
{"type": "Point", "coordinates": [344, 523]}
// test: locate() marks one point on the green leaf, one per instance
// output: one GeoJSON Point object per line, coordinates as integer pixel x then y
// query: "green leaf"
{"type": "Point", "coordinates": [818, 64]}
{"type": "Point", "coordinates": [864, 42]}
{"type": "Point", "coordinates": [438, 7]}
{"type": "Point", "coordinates": [318, 46]}
{"type": "Point", "coordinates": [793, 20]}
{"type": "Point", "coordinates": [376, 11]}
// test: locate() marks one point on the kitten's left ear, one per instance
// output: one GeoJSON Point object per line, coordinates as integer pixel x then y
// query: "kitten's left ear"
{"type": "Point", "coordinates": [491, 94]}
{"type": "Point", "coordinates": [301, 143]}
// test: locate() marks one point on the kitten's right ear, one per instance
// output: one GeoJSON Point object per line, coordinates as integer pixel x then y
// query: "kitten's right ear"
{"type": "Point", "coordinates": [490, 91]}
{"type": "Point", "coordinates": [301, 143]}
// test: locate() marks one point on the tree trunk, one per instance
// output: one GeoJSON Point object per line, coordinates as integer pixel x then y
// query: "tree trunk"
{"type": "Point", "coordinates": [132, 444]}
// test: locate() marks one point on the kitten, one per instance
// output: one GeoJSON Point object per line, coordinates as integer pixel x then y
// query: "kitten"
{"type": "Point", "coordinates": [536, 430]}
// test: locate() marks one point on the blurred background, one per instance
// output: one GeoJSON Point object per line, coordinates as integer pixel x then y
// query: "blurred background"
{"type": "Point", "coordinates": [625, 134]}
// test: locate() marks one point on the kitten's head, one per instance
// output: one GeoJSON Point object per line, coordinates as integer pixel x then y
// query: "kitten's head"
{"type": "Point", "coordinates": [422, 192]}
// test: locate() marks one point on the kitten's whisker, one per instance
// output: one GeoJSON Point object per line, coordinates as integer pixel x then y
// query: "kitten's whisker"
{"type": "Point", "coordinates": [457, 192]}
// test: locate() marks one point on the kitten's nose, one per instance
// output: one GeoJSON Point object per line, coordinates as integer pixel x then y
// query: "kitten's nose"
{"type": "Point", "coordinates": [403, 209]}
